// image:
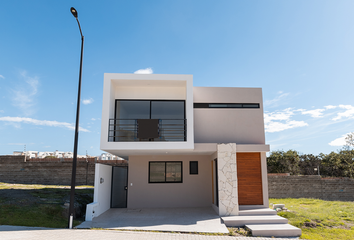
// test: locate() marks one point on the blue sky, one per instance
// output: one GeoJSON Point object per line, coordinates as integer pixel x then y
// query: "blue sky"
{"type": "Point", "coordinates": [300, 52]}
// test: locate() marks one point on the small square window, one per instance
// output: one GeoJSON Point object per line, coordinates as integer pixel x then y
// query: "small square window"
{"type": "Point", "coordinates": [193, 167]}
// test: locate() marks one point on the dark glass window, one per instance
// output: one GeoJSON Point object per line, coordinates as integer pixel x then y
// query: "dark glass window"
{"type": "Point", "coordinates": [157, 172]}
{"type": "Point", "coordinates": [193, 167]}
{"type": "Point", "coordinates": [226, 105]}
{"type": "Point", "coordinates": [167, 109]}
{"type": "Point", "coordinates": [250, 105]}
{"type": "Point", "coordinates": [165, 172]}
{"type": "Point", "coordinates": [133, 110]}
{"type": "Point", "coordinates": [170, 114]}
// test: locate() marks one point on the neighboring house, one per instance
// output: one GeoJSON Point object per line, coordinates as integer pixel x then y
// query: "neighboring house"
{"type": "Point", "coordinates": [56, 154]}
{"type": "Point", "coordinates": [18, 153]}
{"type": "Point", "coordinates": [28, 154]}
{"type": "Point", "coordinates": [59, 154]}
{"type": "Point", "coordinates": [186, 146]}
{"type": "Point", "coordinates": [45, 154]}
{"type": "Point", "coordinates": [108, 156]}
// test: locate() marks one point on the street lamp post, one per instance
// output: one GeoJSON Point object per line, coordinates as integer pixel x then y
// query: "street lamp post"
{"type": "Point", "coordinates": [73, 174]}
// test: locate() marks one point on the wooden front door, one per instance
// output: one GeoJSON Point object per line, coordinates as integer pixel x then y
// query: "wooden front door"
{"type": "Point", "coordinates": [249, 177]}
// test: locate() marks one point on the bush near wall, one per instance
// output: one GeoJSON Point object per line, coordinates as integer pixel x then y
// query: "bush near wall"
{"type": "Point", "coordinates": [334, 164]}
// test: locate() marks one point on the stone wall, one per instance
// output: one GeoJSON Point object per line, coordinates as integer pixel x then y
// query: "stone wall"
{"type": "Point", "coordinates": [49, 171]}
{"type": "Point", "coordinates": [341, 189]}
{"type": "Point", "coordinates": [227, 174]}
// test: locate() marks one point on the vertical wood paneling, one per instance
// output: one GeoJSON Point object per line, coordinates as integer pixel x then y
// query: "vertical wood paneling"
{"type": "Point", "coordinates": [249, 178]}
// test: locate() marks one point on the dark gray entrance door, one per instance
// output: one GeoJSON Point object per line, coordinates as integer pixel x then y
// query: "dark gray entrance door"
{"type": "Point", "coordinates": [119, 187]}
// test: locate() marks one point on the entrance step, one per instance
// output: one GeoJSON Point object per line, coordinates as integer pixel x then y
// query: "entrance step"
{"type": "Point", "coordinates": [240, 221]}
{"type": "Point", "coordinates": [257, 211]}
{"type": "Point", "coordinates": [274, 230]}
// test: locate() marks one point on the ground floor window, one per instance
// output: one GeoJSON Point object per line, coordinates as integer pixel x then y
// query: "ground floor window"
{"type": "Point", "coordinates": [193, 167]}
{"type": "Point", "coordinates": [165, 172]}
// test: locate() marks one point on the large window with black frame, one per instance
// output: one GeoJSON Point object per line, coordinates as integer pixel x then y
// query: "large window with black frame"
{"type": "Point", "coordinates": [165, 172]}
{"type": "Point", "coordinates": [148, 120]}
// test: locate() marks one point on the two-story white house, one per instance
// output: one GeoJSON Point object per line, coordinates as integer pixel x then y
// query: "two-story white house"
{"type": "Point", "coordinates": [186, 146]}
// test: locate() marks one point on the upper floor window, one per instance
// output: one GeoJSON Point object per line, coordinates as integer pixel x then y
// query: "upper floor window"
{"type": "Point", "coordinates": [148, 120]}
{"type": "Point", "coordinates": [150, 109]}
{"type": "Point", "coordinates": [226, 105]}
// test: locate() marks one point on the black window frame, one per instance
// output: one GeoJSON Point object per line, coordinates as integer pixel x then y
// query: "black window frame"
{"type": "Point", "coordinates": [227, 105]}
{"type": "Point", "coordinates": [165, 171]}
{"type": "Point", "coordinates": [190, 168]}
{"type": "Point", "coordinates": [150, 100]}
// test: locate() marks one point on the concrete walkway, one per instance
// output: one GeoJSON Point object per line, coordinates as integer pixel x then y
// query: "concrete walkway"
{"type": "Point", "coordinates": [159, 219]}
{"type": "Point", "coordinates": [29, 233]}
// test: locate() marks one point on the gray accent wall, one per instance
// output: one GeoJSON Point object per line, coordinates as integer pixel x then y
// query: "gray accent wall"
{"type": "Point", "coordinates": [234, 125]}
{"type": "Point", "coordinates": [194, 191]}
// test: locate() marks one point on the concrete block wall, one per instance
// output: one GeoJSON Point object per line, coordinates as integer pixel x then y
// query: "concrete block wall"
{"type": "Point", "coordinates": [14, 169]}
{"type": "Point", "coordinates": [341, 189]}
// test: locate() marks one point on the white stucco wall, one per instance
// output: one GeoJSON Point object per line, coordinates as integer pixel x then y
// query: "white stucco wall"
{"type": "Point", "coordinates": [102, 192]}
{"type": "Point", "coordinates": [194, 191]}
{"type": "Point", "coordinates": [146, 86]}
{"type": "Point", "coordinates": [264, 179]}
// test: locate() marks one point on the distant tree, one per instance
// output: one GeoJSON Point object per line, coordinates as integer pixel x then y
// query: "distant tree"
{"type": "Point", "coordinates": [334, 164]}
{"type": "Point", "coordinates": [349, 140]}
{"type": "Point", "coordinates": [338, 164]}
{"type": "Point", "coordinates": [284, 162]}
{"type": "Point", "coordinates": [347, 162]}
{"type": "Point", "coordinates": [308, 163]}
{"type": "Point", "coordinates": [49, 157]}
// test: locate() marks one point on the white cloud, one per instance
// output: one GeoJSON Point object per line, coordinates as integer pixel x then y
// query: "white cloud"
{"type": "Point", "coordinates": [275, 100]}
{"type": "Point", "coordinates": [338, 141]}
{"type": "Point", "coordinates": [87, 101]}
{"type": "Point", "coordinates": [279, 115]}
{"type": "Point", "coordinates": [349, 113]}
{"type": "Point", "coordinates": [144, 71]}
{"type": "Point", "coordinates": [2, 111]}
{"type": "Point", "coordinates": [20, 144]}
{"type": "Point", "coordinates": [330, 107]}
{"type": "Point", "coordinates": [23, 97]}
{"type": "Point", "coordinates": [280, 121]}
{"type": "Point", "coordinates": [93, 119]}
{"type": "Point", "coordinates": [41, 122]}
{"type": "Point", "coordinates": [1, 76]}
{"type": "Point", "coordinates": [279, 126]}
{"type": "Point", "coordinates": [316, 113]}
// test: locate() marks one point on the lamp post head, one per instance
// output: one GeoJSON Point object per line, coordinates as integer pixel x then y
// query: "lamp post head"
{"type": "Point", "coordinates": [73, 11]}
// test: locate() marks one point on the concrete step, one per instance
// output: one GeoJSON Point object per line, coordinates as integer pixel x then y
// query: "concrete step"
{"type": "Point", "coordinates": [257, 211]}
{"type": "Point", "coordinates": [274, 230]}
{"type": "Point", "coordinates": [240, 221]}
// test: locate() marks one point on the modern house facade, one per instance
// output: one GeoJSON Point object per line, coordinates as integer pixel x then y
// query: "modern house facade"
{"type": "Point", "coordinates": [186, 146]}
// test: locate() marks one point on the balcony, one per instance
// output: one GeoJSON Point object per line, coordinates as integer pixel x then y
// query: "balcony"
{"type": "Point", "coordinates": [146, 130]}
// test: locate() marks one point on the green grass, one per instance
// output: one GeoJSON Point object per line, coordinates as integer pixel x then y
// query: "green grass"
{"type": "Point", "coordinates": [38, 215]}
{"type": "Point", "coordinates": [42, 207]}
{"type": "Point", "coordinates": [319, 219]}
{"type": "Point", "coordinates": [37, 186]}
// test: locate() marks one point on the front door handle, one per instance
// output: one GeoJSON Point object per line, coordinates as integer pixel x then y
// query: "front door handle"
{"type": "Point", "coordinates": [126, 188]}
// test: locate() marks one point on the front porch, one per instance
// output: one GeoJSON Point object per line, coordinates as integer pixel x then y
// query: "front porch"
{"type": "Point", "coordinates": [203, 219]}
